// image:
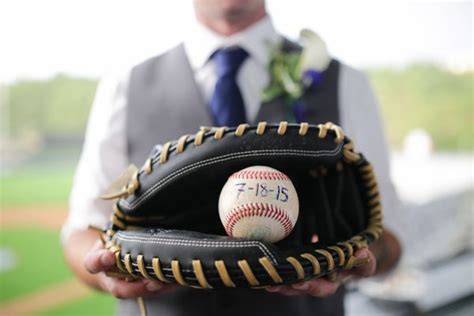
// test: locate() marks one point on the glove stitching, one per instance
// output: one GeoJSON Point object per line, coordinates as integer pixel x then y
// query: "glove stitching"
{"type": "Point", "coordinates": [199, 243]}
{"type": "Point", "coordinates": [302, 153]}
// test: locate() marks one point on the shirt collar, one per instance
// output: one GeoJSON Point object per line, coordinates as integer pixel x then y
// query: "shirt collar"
{"type": "Point", "coordinates": [257, 40]}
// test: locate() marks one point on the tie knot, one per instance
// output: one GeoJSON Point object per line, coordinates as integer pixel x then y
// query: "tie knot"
{"type": "Point", "coordinates": [229, 60]}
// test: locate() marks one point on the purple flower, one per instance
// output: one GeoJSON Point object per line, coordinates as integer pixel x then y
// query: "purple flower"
{"type": "Point", "coordinates": [312, 78]}
{"type": "Point", "coordinates": [298, 111]}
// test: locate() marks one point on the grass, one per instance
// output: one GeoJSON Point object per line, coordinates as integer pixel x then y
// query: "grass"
{"type": "Point", "coordinates": [39, 262]}
{"type": "Point", "coordinates": [35, 185]}
{"type": "Point", "coordinates": [96, 304]}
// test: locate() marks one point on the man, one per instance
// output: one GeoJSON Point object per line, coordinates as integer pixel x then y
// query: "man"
{"type": "Point", "coordinates": [174, 94]}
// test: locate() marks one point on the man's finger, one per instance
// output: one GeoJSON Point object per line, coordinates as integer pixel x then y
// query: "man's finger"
{"type": "Point", "coordinates": [367, 269]}
{"type": "Point", "coordinates": [99, 260]}
{"type": "Point", "coordinates": [285, 290]}
{"type": "Point", "coordinates": [317, 287]}
{"type": "Point", "coordinates": [139, 288]}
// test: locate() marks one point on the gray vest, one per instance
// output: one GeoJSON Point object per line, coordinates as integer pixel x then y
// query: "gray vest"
{"type": "Point", "coordinates": [164, 103]}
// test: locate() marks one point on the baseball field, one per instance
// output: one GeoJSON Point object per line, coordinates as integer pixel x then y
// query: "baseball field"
{"type": "Point", "coordinates": [34, 279]}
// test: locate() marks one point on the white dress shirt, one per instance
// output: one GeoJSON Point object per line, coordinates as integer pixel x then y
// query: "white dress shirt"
{"type": "Point", "coordinates": [104, 155]}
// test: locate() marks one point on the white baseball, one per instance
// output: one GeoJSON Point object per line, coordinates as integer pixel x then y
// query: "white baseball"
{"type": "Point", "coordinates": [259, 202]}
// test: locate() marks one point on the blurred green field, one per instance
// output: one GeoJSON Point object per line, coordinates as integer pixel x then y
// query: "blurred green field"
{"type": "Point", "coordinates": [38, 259]}
{"type": "Point", "coordinates": [37, 251]}
{"type": "Point", "coordinates": [35, 186]}
{"type": "Point", "coordinates": [38, 264]}
{"type": "Point", "coordinates": [98, 305]}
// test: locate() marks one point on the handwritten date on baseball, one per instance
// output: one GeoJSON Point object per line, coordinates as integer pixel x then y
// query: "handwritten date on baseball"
{"type": "Point", "coordinates": [278, 192]}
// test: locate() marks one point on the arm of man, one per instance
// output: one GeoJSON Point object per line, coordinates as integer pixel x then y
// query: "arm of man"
{"type": "Point", "coordinates": [102, 160]}
{"type": "Point", "coordinates": [361, 120]}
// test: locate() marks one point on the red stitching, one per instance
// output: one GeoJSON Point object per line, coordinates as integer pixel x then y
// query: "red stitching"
{"type": "Point", "coordinates": [261, 210]}
{"type": "Point", "coordinates": [260, 175]}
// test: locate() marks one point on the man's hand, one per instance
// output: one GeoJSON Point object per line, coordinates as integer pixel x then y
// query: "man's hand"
{"type": "Point", "coordinates": [99, 260]}
{"type": "Point", "coordinates": [322, 287]}
{"type": "Point", "coordinates": [89, 260]}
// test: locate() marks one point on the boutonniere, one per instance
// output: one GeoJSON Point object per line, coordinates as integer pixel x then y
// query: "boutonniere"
{"type": "Point", "coordinates": [292, 73]}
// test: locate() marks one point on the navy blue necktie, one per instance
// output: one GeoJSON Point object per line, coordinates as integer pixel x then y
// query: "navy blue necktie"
{"type": "Point", "coordinates": [227, 105]}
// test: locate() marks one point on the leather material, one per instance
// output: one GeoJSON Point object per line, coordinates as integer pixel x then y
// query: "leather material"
{"type": "Point", "coordinates": [186, 246]}
{"type": "Point", "coordinates": [183, 192]}
{"type": "Point", "coordinates": [173, 213]}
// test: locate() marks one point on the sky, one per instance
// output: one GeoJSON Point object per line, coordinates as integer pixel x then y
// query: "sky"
{"type": "Point", "coordinates": [39, 39]}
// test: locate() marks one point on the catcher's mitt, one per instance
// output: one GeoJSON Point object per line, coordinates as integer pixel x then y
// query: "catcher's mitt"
{"type": "Point", "coordinates": [166, 224]}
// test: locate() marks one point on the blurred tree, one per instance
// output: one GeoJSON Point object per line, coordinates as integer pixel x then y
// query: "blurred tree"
{"type": "Point", "coordinates": [58, 106]}
{"type": "Point", "coordinates": [420, 96]}
{"type": "Point", "coordinates": [428, 97]}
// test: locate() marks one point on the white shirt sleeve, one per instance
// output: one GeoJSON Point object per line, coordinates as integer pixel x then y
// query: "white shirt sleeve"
{"type": "Point", "coordinates": [361, 120]}
{"type": "Point", "coordinates": [103, 159]}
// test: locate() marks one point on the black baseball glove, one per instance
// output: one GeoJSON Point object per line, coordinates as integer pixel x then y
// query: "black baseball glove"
{"type": "Point", "coordinates": [166, 224]}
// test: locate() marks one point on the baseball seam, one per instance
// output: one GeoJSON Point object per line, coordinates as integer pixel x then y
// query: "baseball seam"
{"type": "Point", "coordinates": [260, 175]}
{"type": "Point", "coordinates": [258, 210]}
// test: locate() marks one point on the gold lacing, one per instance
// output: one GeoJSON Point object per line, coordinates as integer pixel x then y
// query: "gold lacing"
{"type": "Point", "coordinates": [282, 128]}
{"type": "Point", "coordinates": [122, 218]}
{"type": "Point", "coordinates": [349, 154]}
{"type": "Point", "coordinates": [223, 273]}
{"type": "Point", "coordinates": [351, 262]}
{"type": "Point", "coordinates": [261, 128]}
{"type": "Point", "coordinates": [298, 267]}
{"type": "Point", "coordinates": [272, 272]}
{"type": "Point", "coordinates": [314, 262]}
{"type": "Point", "coordinates": [181, 143]}
{"type": "Point", "coordinates": [142, 268]}
{"type": "Point", "coordinates": [199, 273]}
{"type": "Point", "coordinates": [375, 200]}
{"type": "Point", "coordinates": [119, 263]}
{"type": "Point", "coordinates": [177, 272]}
{"type": "Point", "coordinates": [155, 263]}
{"type": "Point", "coordinates": [248, 273]}
{"type": "Point", "coordinates": [116, 221]}
{"type": "Point", "coordinates": [199, 138]}
{"type": "Point", "coordinates": [340, 253]}
{"type": "Point", "coordinates": [219, 133]}
{"type": "Point", "coordinates": [376, 209]}
{"type": "Point", "coordinates": [128, 263]}
{"type": "Point", "coordinates": [350, 249]}
{"type": "Point", "coordinates": [329, 258]}
{"type": "Point", "coordinates": [323, 130]}
{"type": "Point", "coordinates": [130, 188]}
{"type": "Point", "coordinates": [141, 306]}
{"type": "Point", "coordinates": [359, 241]}
{"type": "Point", "coordinates": [374, 190]}
{"type": "Point", "coordinates": [346, 261]}
{"type": "Point", "coordinates": [164, 152]}
{"type": "Point", "coordinates": [148, 167]}
{"type": "Point", "coordinates": [241, 129]}
{"type": "Point", "coordinates": [303, 129]}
